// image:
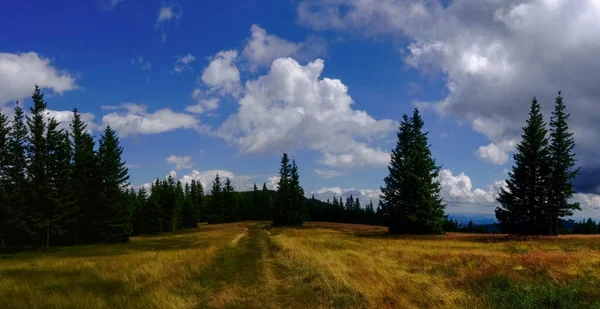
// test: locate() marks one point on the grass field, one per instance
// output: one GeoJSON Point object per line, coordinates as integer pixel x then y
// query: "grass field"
{"type": "Point", "coordinates": [322, 265]}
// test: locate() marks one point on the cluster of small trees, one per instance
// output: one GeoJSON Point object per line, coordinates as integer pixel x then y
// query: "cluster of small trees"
{"type": "Point", "coordinates": [588, 226]}
{"type": "Point", "coordinates": [173, 205]}
{"type": "Point", "coordinates": [290, 207]}
{"type": "Point", "coordinates": [55, 187]}
{"type": "Point", "coordinates": [350, 212]}
{"type": "Point", "coordinates": [539, 188]}
{"type": "Point", "coordinates": [470, 227]}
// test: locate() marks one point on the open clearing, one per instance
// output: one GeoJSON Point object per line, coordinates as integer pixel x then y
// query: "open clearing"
{"type": "Point", "coordinates": [322, 265]}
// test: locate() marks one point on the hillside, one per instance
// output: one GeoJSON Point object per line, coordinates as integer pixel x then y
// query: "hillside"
{"type": "Point", "coordinates": [322, 265]}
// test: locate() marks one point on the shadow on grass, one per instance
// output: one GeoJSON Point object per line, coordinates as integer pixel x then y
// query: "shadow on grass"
{"type": "Point", "coordinates": [503, 292]}
{"type": "Point", "coordinates": [59, 282]}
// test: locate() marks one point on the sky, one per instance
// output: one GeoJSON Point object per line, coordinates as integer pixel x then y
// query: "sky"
{"type": "Point", "coordinates": [195, 88]}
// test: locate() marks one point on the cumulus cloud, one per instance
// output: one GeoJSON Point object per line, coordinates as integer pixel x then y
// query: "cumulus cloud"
{"type": "Point", "coordinates": [262, 48]}
{"type": "Point", "coordinates": [141, 63]}
{"type": "Point", "coordinates": [131, 119]}
{"type": "Point", "coordinates": [222, 75]}
{"type": "Point", "coordinates": [179, 162]}
{"type": "Point", "coordinates": [496, 153]}
{"type": "Point", "coordinates": [203, 104]}
{"type": "Point", "coordinates": [166, 13]}
{"type": "Point", "coordinates": [328, 173]}
{"type": "Point", "coordinates": [66, 117]}
{"type": "Point", "coordinates": [183, 63]}
{"type": "Point", "coordinates": [20, 72]}
{"type": "Point", "coordinates": [494, 55]}
{"type": "Point", "coordinates": [292, 107]}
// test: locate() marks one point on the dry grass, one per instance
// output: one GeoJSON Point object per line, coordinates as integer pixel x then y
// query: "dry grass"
{"type": "Point", "coordinates": [322, 265]}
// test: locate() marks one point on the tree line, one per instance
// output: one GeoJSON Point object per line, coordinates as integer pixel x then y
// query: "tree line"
{"type": "Point", "coordinates": [56, 188]}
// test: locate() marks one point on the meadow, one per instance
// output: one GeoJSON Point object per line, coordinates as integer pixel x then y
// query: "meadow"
{"type": "Point", "coordinates": [320, 265]}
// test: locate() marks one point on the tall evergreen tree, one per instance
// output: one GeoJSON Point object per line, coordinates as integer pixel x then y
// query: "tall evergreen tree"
{"type": "Point", "coordinates": [38, 199]}
{"type": "Point", "coordinates": [524, 202]}
{"type": "Point", "coordinates": [114, 179]}
{"type": "Point", "coordinates": [63, 212]}
{"type": "Point", "coordinates": [4, 163]}
{"type": "Point", "coordinates": [84, 177]}
{"type": "Point", "coordinates": [190, 212]}
{"type": "Point", "coordinates": [289, 208]}
{"type": "Point", "coordinates": [16, 172]}
{"type": "Point", "coordinates": [229, 203]}
{"type": "Point", "coordinates": [267, 203]}
{"type": "Point", "coordinates": [410, 197]}
{"type": "Point", "coordinates": [562, 166]}
{"type": "Point", "coordinates": [215, 211]}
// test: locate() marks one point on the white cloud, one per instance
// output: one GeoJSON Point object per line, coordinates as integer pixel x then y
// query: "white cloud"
{"type": "Point", "coordinates": [222, 74]}
{"type": "Point", "coordinates": [328, 173]}
{"type": "Point", "coordinates": [292, 107]}
{"type": "Point", "coordinates": [134, 119]}
{"type": "Point", "coordinates": [108, 5]}
{"type": "Point", "coordinates": [141, 63]}
{"type": "Point", "coordinates": [183, 63]}
{"type": "Point", "coordinates": [202, 104]}
{"type": "Point", "coordinates": [493, 55]}
{"type": "Point", "coordinates": [66, 117]}
{"type": "Point", "coordinates": [496, 153]}
{"type": "Point", "coordinates": [273, 182]}
{"type": "Point", "coordinates": [166, 13]}
{"type": "Point", "coordinates": [20, 72]}
{"type": "Point", "coordinates": [180, 162]}
{"type": "Point", "coordinates": [262, 48]}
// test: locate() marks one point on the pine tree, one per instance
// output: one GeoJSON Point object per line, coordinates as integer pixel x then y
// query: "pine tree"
{"type": "Point", "coordinates": [4, 163]}
{"type": "Point", "coordinates": [267, 202]}
{"type": "Point", "coordinates": [84, 177]}
{"type": "Point", "coordinates": [63, 211]}
{"type": "Point", "coordinates": [229, 202]}
{"type": "Point", "coordinates": [256, 207]}
{"type": "Point", "coordinates": [138, 218]}
{"type": "Point", "coordinates": [523, 203]}
{"type": "Point", "coordinates": [38, 200]}
{"type": "Point", "coordinates": [215, 211]}
{"type": "Point", "coordinates": [410, 198]}
{"type": "Point", "coordinates": [114, 179]}
{"type": "Point", "coordinates": [16, 180]}
{"type": "Point", "coordinates": [289, 208]}
{"type": "Point", "coordinates": [562, 166]}
{"type": "Point", "coordinates": [190, 212]}
{"type": "Point", "coordinates": [197, 192]}
{"type": "Point", "coordinates": [179, 201]}
{"type": "Point", "coordinates": [299, 213]}
{"type": "Point", "coordinates": [153, 213]}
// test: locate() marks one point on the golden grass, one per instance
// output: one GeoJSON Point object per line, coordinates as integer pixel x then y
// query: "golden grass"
{"type": "Point", "coordinates": [321, 265]}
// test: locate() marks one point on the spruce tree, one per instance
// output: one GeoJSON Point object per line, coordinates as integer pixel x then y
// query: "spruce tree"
{"type": "Point", "coordinates": [215, 211]}
{"type": "Point", "coordinates": [84, 178]}
{"type": "Point", "coordinates": [197, 192]}
{"type": "Point", "coordinates": [138, 218]}
{"type": "Point", "coordinates": [410, 198]}
{"type": "Point", "coordinates": [190, 212]}
{"type": "Point", "coordinates": [16, 180]}
{"type": "Point", "coordinates": [289, 208]}
{"type": "Point", "coordinates": [267, 203]}
{"type": "Point", "coordinates": [524, 203]}
{"type": "Point", "coordinates": [299, 212]}
{"type": "Point", "coordinates": [256, 207]}
{"type": "Point", "coordinates": [114, 180]}
{"type": "Point", "coordinates": [229, 202]}
{"type": "Point", "coordinates": [4, 163]}
{"type": "Point", "coordinates": [562, 166]}
{"type": "Point", "coordinates": [38, 199]}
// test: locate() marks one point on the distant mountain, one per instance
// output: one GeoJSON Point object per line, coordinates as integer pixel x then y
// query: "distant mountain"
{"type": "Point", "coordinates": [477, 218]}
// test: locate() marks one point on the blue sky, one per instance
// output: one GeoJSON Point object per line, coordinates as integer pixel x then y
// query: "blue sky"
{"type": "Point", "coordinates": [196, 87]}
